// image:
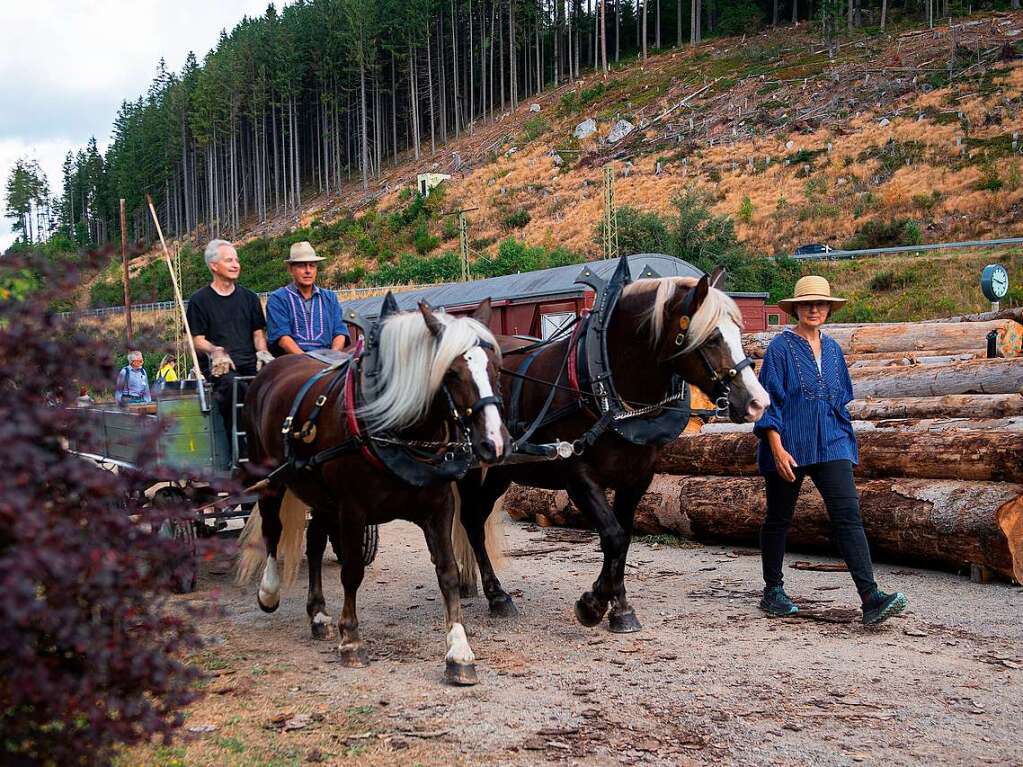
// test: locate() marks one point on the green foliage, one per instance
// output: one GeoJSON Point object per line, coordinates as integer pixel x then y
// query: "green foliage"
{"type": "Point", "coordinates": [705, 240]}
{"type": "Point", "coordinates": [989, 182]}
{"type": "Point", "coordinates": [741, 17]}
{"type": "Point", "coordinates": [926, 202]}
{"type": "Point", "coordinates": [878, 233]}
{"type": "Point", "coordinates": [514, 256]}
{"type": "Point", "coordinates": [535, 127]}
{"type": "Point", "coordinates": [746, 209]}
{"type": "Point", "coordinates": [893, 155]}
{"type": "Point", "coordinates": [411, 269]}
{"type": "Point", "coordinates": [423, 241]}
{"type": "Point", "coordinates": [574, 101]}
{"type": "Point", "coordinates": [517, 219]}
{"type": "Point", "coordinates": [892, 280]}
{"type": "Point", "coordinates": [450, 228]}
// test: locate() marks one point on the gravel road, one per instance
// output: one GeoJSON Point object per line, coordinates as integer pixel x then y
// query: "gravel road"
{"type": "Point", "coordinates": [709, 680]}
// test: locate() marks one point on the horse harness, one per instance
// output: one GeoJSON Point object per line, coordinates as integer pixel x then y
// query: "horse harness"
{"type": "Point", "coordinates": [590, 379]}
{"type": "Point", "coordinates": [415, 462]}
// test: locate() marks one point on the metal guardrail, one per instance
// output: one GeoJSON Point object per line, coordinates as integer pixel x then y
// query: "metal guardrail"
{"type": "Point", "coordinates": [163, 306]}
{"type": "Point", "coordinates": [838, 254]}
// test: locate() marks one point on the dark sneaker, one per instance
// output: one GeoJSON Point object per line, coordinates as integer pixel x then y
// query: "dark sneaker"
{"type": "Point", "coordinates": [880, 607]}
{"type": "Point", "coordinates": [776, 602]}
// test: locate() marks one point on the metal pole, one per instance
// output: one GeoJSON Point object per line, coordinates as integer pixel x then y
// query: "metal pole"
{"type": "Point", "coordinates": [127, 291]}
{"type": "Point", "coordinates": [463, 242]}
{"type": "Point", "coordinates": [181, 305]}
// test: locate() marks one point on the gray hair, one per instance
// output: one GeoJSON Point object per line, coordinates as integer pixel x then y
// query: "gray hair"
{"type": "Point", "coordinates": [212, 252]}
{"type": "Point", "coordinates": [134, 354]}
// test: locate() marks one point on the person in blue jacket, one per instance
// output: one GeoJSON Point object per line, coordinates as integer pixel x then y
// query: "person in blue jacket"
{"type": "Point", "coordinates": [301, 317]}
{"type": "Point", "coordinates": [807, 432]}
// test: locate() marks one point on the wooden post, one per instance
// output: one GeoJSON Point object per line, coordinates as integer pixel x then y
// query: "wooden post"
{"type": "Point", "coordinates": [127, 291]}
{"type": "Point", "coordinates": [181, 305]}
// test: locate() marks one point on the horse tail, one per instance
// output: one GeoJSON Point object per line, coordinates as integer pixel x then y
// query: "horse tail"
{"type": "Point", "coordinates": [494, 532]}
{"type": "Point", "coordinates": [289, 549]}
{"type": "Point", "coordinates": [468, 572]}
{"type": "Point", "coordinates": [251, 549]}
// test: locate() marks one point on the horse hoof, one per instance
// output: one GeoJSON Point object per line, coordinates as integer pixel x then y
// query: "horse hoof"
{"type": "Point", "coordinates": [504, 607]}
{"type": "Point", "coordinates": [588, 611]}
{"type": "Point", "coordinates": [353, 657]}
{"type": "Point", "coordinates": [265, 607]}
{"type": "Point", "coordinates": [460, 674]}
{"type": "Point", "coordinates": [624, 623]}
{"type": "Point", "coordinates": [321, 626]}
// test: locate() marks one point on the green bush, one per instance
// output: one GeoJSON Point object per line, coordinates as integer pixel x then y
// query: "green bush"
{"type": "Point", "coordinates": [518, 219]}
{"type": "Point", "coordinates": [746, 210]}
{"type": "Point", "coordinates": [535, 127]}
{"type": "Point", "coordinates": [884, 234]}
{"type": "Point", "coordinates": [423, 241]}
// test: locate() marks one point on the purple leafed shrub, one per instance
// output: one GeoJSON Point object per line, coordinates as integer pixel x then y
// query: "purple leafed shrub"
{"type": "Point", "coordinates": [92, 654]}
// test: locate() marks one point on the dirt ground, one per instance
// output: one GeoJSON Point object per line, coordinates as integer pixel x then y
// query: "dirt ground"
{"type": "Point", "coordinates": [709, 680]}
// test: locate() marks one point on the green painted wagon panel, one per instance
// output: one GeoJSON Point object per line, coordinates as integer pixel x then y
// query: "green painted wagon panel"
{"type": "Point", "coordinates": [186, 441]}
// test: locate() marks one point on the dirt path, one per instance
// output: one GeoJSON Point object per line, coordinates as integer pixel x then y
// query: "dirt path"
{"type": "Point", "coordinates": [708, 681]}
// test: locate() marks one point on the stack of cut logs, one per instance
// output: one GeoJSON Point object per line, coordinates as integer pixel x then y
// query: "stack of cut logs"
{"type": "Point", "coordinates": [940, 432]}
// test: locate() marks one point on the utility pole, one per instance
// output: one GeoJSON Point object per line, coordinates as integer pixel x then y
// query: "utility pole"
{"type": "Point", "coordinates": [610, 214]}
{"type": "Point", "coordinates": [463, 239]}
{"type": "Point", "coordinates": [127, 292]}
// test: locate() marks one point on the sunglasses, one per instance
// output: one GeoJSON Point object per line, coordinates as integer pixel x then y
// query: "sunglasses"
{"type": "Point", "coordinates": [817, 305]}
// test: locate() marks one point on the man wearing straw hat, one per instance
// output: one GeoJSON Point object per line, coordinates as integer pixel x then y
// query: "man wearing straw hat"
{"type": "Point", "coordinates": [807, 432]}
{"type": "Point", "coordinates": [227, 325]}
{"type": "Point", "coordinates": [302, 317]}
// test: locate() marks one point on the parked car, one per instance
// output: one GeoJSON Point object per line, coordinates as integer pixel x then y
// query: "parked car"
{"type": "Point", "coordinates": [813, 249]}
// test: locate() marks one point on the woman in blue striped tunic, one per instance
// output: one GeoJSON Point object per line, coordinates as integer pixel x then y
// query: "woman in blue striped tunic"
{"type": "Point", "coordinates": [807, 432]}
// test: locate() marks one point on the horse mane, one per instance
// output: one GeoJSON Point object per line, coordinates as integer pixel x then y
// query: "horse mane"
{"type": "Point", "coordinates": [413, 364]}
{"type": "Point", "coordinates": [716, 307]}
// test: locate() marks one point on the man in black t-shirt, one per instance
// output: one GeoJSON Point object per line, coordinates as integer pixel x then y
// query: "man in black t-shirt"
{"type": "Point", "coordinates": [227, 325]}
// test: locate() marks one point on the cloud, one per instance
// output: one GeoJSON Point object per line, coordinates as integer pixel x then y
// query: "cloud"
{"type": "Point", "coordinates": [66, 66]}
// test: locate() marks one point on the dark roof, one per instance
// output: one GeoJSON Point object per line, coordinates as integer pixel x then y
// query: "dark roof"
{"type": "Point", "coordinates": [545, 283]}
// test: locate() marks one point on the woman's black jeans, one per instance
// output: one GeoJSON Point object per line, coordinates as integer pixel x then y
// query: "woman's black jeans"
{"type": "Point", "coordinates": [834, 481]}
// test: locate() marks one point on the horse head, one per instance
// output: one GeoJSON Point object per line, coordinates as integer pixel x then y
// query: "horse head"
{"type": "Point", "coordinates": [472, 382]}
{"type": "Point", "coordinates": [698, 334]}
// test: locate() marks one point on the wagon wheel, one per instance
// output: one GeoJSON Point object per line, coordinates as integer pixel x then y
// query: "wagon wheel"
{"type": "Point", "coordinates": [370, 544]}
{"type": "Point", "coordinates": [185, 572]}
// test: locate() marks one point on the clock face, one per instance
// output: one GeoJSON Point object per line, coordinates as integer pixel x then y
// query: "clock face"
{"type": "Point", "coordinates": [995, 282]}
{"type": "Point", "coordinates": [1000, 283]}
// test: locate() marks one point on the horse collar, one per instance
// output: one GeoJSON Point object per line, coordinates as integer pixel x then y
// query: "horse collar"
{"type": "Point", "coordinates": [652, 425]}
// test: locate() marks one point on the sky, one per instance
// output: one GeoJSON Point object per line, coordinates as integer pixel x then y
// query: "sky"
{"type": "Point", "coordinates": [66, 66]}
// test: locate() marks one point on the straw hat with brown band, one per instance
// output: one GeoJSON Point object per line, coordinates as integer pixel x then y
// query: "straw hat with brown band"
{"type": "Point", "coordinates": [810, 289]}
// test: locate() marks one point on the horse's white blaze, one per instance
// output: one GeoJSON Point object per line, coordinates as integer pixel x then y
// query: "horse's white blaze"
{"type": "Point", "coordinates": [761, 399]}
{"type": "Point", "coordinates": [477, 359]}
{"type": "Point", "coordinates": [458, 646]}
{"type": "Point", "coordinates": [270, 585]}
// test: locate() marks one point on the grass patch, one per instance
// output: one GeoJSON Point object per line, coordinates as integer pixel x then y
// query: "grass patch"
{"type": "Point", "coordinates": [534, 128]}
{"type": "Point", "coordinates": [891, 156]}
{"type": "Point", "coordinates": [893, 280]}
{"type": "Point", "coordinates": [988, 149]}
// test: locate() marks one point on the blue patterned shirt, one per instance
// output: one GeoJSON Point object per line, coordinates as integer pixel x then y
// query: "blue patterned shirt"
{"type": "Point", "coordinates": [808, 406]}
{"type": "Point", "coordinates": [312, 324]}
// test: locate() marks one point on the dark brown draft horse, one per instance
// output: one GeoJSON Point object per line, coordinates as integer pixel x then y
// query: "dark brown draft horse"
{"type": "Point", "coordinates": [435, 376]}
{"type": "Point", "coordinates": [659, 329]}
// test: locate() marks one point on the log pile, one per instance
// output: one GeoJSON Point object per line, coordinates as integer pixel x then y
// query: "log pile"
{"type": "Point", "coordinates": [940, 434]}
